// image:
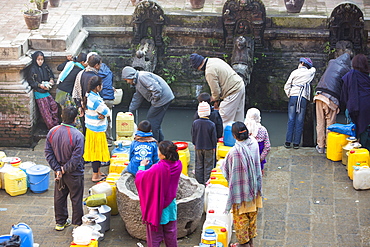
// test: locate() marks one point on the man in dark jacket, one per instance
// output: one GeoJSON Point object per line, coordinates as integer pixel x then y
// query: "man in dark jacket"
{"type": "Point", "coordinates": [107, 93]}
{"type": "Point", "coordinates": [64, 150]}
{"type": "Point", "coordinates": [327, 97]}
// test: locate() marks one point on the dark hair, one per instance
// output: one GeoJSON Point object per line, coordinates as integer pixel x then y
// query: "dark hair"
{"type": "Point", "coordinates": [69, 114]}
{"type": "Point", "coordinates": [93, 60]}
{"type": "Point", "coordinates": [360, 63]}
{"type": "Point", "coordinates": [306, 65]}
{"type": "Point", "coordinates": [93, 83]}
{"type": "Point", "coordinates": [169, 150]}
{"type": "Point", "coordinates": [144, 126]}
{"type": "Point", "coordinates": [80, 58]}
{"type": "Point", "coordinates": [240, 131]}
{"type": "Point", "coordinates": [204, 97]}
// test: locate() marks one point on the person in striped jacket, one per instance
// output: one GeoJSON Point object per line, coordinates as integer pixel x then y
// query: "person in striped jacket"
{"type": "Point", "coordinates": [96, 113]}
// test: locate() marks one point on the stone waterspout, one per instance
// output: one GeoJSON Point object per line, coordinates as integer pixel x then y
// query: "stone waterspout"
{"type": "Point", "coordinates": [242, 57]}
{"type": "Point", "coordinates": [146, 56]}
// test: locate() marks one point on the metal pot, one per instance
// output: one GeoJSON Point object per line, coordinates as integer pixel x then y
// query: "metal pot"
{"type": "Point", "coordinates": [106, 211]}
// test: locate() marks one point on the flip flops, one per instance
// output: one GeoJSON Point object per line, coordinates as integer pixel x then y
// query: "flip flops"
{"type": "Point", "coordinates": [100, 180]}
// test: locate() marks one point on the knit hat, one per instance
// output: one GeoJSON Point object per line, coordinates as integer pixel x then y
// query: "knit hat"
{"type": "Point", "coordinates": [306, 60]}
{"type": "Point", "coordinates": [196, 60]}
{"type": "Point", "coordinates": [128, 72]}
{"type": "Point", "coordinates": [204, 110]}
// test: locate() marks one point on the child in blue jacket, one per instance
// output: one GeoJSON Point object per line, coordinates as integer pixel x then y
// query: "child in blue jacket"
{"type": "Point", "coordinates": [143, 147]}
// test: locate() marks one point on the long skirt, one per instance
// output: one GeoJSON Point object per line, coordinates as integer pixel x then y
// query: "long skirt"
{"type": "Point", "coordinates": [49, 111]}
{"type": "Point", "coordinates": [245, 226]}
{"type": "Point", "coordinates": [96, 147]}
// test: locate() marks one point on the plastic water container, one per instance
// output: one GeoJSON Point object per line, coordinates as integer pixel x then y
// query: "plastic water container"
{"type": "Point", "coordinates": [2, 155]}
{"type": "Point", "coordinates": [95, 200]}
{"type": "Point", "coordinates": [123, 146]}
{"type": "Point", "coordinates": [93, 243]}
{"type": "Point", "coordinates": [39, 178]}
{"type": "Point", "coordinates": [24, 167]}
{"type": "Point", "coordinates": [212, 222]}
{"type": "Point", "coordinates": [124, 124]}
{"type": "Point", "coordinates": [361, 178]}
{"type": "Point", "coordinates": [112, 200]}
{"type": "Point", "coordinates": [6, 168]}
{"type": "Point", "coordinates": [222, 234]}
{"type": "Point", "coordinates": [218, 180]}
{"type": "Point", "coordinates": [15, 182]}
{"type": "Point", "coordinates": [357, 155]}
{"type": "Point", "coordinates": [217, 194]}
{"type": "Point", "coordinates": [118, 93]}
{"type": "Point", "coordinates": [229, 140]}
{"type": "Point", "coordinates": [351, 144]}
{"type": "Point", "coordinates": [221, 151]}
{"type": "Point", "coordinates": [118, 162]}
{"type": "Point", "coordinates": [24, 232]}
{"type": "Point", "coordinates": [335, 143]}
{"type": "Point", "coordinates": [209, 238]}
{"type": "Point", "coordinates": [183, 148]}
{"type": "Point", "coordinates": [101, 187]}
{"type": "Point", "coordinates": [4, 238]}
{"type": "Point", "coordinates": [15, 161]}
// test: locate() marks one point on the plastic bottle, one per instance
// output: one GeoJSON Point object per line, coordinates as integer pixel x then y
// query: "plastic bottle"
{"type": "Point", "coordinates": [209, 238]}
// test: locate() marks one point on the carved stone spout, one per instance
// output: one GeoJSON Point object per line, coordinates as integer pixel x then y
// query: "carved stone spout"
{"type": "Point", "coordinates": [146, 56]}
{"type": "Point", "coordinates": [242, 57]}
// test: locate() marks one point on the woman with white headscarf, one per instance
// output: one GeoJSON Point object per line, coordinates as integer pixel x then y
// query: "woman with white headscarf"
{"type": "Point", "coordinates": [253, 123]}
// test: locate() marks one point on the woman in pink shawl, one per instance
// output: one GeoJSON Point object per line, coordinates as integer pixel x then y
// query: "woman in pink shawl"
{"type": "Point", "coordinates": [157, 188]}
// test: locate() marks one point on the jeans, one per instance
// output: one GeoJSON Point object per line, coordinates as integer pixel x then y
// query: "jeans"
{"type": "Point", "coordinates": [295, 120]}
{"type": "Point", "coordinates": [155, 116]}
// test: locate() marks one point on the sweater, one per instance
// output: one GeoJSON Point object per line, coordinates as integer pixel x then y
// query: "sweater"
{"type": "Point", "coordinates": [222, 79]}
{"type": "Point", "coordinates": [95, 105]}
{"type": "Point", "coordinates": [65, 147]}
{"type": "Point", "coordinates": [203, 133]}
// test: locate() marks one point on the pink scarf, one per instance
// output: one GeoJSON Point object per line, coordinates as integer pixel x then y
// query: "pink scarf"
{"type": "Point", "coordinates": [152, 186]}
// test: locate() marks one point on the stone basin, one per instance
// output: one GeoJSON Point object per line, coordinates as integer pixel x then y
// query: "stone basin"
{"type": "Point", "coordinates": [190, 204]}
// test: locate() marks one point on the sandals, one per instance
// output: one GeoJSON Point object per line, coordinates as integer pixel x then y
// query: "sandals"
{"type": "Point", "coordinates": [99, 180]}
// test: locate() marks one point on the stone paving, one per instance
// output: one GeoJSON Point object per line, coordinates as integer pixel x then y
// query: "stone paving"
{"type": "Point", "coordinates": [308, 201]}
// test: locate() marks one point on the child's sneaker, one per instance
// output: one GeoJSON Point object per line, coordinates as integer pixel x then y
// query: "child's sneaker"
{"type": "Point", "coordinates": [59, 227]}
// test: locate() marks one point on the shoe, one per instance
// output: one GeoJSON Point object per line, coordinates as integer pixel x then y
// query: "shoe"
{"type": "Point", "coordinates": [110, 144]}
{"type": "Point", "coordinates": [99, 180]}
{"type": "Point", "coordinates": [61, 227]}
{"type": "Point", "coordinates": [320, 150]}
{"type": "Point", "coordinates": [296, 146]}
{"type": "Point", "coordinates": [287, 145]}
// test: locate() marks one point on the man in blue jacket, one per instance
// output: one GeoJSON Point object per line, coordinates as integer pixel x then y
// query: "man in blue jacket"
{"type": "Point", "coordinates": [107, 93]}
{"type": "Point", "coordinates": [64, 151]}
{"type": "Point", "coordinates": [155, 90]}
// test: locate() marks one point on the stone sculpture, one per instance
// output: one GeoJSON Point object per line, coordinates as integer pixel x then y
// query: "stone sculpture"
{"type": "Point", "coordinates": [242, 57]}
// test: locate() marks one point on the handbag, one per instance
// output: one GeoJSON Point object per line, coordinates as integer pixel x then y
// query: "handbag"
{"type": "Point", "coordinates": [347, 129]}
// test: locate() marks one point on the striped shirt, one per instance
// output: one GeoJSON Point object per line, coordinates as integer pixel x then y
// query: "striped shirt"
{"type": "Point", "coordinates": [95, 105]}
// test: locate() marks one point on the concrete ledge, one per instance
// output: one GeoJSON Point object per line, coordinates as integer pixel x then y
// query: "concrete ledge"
{"type": "Point", "coordinates": [109, 31]}
{"type": "Point", "coordinates": [295, 33]}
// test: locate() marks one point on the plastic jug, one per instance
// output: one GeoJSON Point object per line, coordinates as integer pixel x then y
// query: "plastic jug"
{"type": "Point", "coordinates": [222, 234]}
{"type": "Point", "coordinates": [2, 155]}
{"type": "Point", "coordinates": [361, 178]}
{"type": "Point", "coordinates": [24, 232]}
{"type": "Point", "coordinates": [95, 200]}
{"type": "Point", "coordinates": [335, 142]}
{"type": "Point", "coordinates": [102, 187]}
{"type": "Point", "coordinates": [118, 162]}
{"type": "Point", "coordinates": [123, 146]}
{"type": "Point", "coordinates": [15, 182]}
{"type": "Point", "coordinates": [218, 180]}
{"type": "Point", "coordinates": [229, 139]}
{"type": "Point", "coordinates": [221, 151]}
{"type": "Point", "coordinates": [209, 238]}
{"type": "Point", "coordinates": [124, 124]}
{"type": "Point", "coordinates": [355, 156]}
{"type": "Point", "coordinates": [352, 143]}
{"type": "Point", "coordinates": [3, 170]}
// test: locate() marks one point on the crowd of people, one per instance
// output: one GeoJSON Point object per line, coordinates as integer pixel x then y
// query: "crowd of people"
{"type": "Point", "coordinates": [85, 94]}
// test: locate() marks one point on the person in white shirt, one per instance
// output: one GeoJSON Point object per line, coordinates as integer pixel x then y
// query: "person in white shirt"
{"type": "Point", "coordinates": [297, 88]}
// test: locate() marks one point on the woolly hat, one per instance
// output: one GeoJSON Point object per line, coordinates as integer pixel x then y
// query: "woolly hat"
{"type": "Point", "coordinates": [306, 60]}
{"type": "Point", "coordinates": [196, 60]}
{"type": "Point", "coordinates": [204, 110]}
{"type": "Point", "coordinates": [128, 72]}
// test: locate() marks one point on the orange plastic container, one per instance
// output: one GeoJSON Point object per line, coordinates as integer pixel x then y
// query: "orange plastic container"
{"type": "Point", "coordinates": [357, 155]}
{"type": "Point", "coordinates": [335, 143]}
